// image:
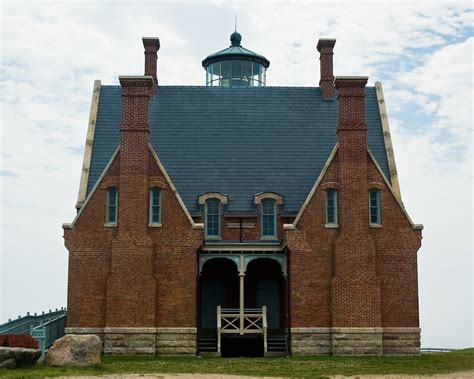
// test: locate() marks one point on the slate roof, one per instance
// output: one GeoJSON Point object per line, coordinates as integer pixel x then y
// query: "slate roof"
{"type": "Point", "coordinates": [237, 140]}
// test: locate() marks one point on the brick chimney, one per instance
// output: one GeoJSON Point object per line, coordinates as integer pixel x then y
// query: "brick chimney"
{"type": "Point", "coordinates": [325, 47]}
{"type": "Point", "coordinates": [131, 286]}
{"type": "Point", "coordinates": [134, 138]}
{"type": "Point", "coordinates": [152, 45]}
{"type": "Point", "coordinates": [354, 249]}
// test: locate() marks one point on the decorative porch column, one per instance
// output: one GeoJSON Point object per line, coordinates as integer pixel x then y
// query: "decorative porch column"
{"type": "Point", "coordinates": [241, 293]}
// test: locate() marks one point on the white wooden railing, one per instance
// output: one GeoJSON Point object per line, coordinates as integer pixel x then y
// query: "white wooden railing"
{"type": "Point", "coordinates": [241, 321]}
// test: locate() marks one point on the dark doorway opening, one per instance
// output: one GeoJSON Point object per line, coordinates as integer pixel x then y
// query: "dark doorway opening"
{"type": "Point", "coordinates": [265, 285]}
{"type": "Point", "coordinates": [242, 346]}
{"type": "Point", "coordinates": [219, 285]}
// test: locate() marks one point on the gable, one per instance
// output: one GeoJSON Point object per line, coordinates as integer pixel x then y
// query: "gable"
{"type": "Point", "coordinates": [237, 141]}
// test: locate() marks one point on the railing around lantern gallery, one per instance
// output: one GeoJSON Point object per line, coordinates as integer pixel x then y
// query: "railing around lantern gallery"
{"type": "Point", "coordinates": [241, 321]}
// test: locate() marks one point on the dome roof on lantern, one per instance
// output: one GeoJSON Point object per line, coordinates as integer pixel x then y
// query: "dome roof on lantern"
{"type": "Point", "coordinates": [235, 51]}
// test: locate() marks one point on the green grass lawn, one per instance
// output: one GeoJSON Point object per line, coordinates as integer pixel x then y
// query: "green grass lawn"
{"type": "Point", "coordinates": [311, 367]}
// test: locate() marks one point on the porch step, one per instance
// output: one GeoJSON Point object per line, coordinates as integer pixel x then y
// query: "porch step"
{"type": "Point", "coordinates": [277, 343]}
{"type": "Point", "coordinates": [207, 344]}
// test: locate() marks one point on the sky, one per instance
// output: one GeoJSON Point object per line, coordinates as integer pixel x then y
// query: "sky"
{"type": "Point", "coordinates": [51, 53]}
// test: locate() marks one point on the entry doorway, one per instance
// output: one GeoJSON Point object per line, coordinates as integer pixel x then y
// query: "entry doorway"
{"type": "Point", "coordinates": [219, 285]}
{"type": "Point", "coordinates": [268, 294]}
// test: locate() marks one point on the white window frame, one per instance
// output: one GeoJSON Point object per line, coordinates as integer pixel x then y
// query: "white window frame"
{"type": "Point", "coordinates": [378, 206]}
{"type": "Point", "coordinates": [151, 205]}
{"type": "Point", "coordinates": [206, 203]}
{"type": "Point", "coordinates": [108, 222]}
{"type": "Point", "coordinates": [335, 223]}
{"type": "Point", "coordinates": [274, 235]}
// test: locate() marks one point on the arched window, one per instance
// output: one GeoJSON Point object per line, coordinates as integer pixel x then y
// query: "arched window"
{"type": "Point", "coordinates": [111, 207]}
{"type": "Point", "coordinates": [155, 206]}
{"type": "Point", "coordinates": [269, 218]}
{"type": "Point", "coordinates": [213, 218]}
{"type": "Point", "coordinates": [374, 207]}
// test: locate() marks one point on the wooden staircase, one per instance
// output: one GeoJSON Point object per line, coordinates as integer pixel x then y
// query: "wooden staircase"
{"type": "Point", "coordinates": [207, 344]}
{"type": "Point", "coordinates": [277, 344]}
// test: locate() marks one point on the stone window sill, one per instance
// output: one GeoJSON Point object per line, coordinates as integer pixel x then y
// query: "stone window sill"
{"type": "Point", "coordinates": [269, 238]}
{"type": "Point", "coordinates": [375, 226]}
{"type": "Point", "coordinates": [155, 225]}
{"type": "Point", "coordinates": [331, 226]}
{"type": "Point", "coordinates": [110, 225]}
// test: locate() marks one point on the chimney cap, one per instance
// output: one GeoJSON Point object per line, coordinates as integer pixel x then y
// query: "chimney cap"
{"type": "Point", "coordinates": [350, 81]}
{"type": "Point", "coordinates": [136, 81]}
{"type": "Point", "coordinates": [151, 42]}
{"type": "Point", "coordinates": [325, 42]}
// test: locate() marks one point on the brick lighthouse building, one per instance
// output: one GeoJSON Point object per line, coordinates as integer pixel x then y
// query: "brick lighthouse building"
{"type": "Point", "coordinates": [238, 217]}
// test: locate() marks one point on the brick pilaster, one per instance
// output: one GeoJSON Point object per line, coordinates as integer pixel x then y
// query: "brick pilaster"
{"type": "Point", "coordinates": [131, 287]}
{"type": "Point", "coordinates": [355, 286]}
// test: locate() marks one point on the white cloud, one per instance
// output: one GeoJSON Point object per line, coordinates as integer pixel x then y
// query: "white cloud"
{"type": "Point", "coordinates": [52, 52]}
{"type": "Point", "coordinates": [446, 77]}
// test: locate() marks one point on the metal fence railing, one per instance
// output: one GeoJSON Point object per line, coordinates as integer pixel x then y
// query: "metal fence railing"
{"type": "Point", "coordinates": [23, 325]}
{"type": "Point", "coordinates": [45, 327]}
{"type": "Point", "coordinates": [436, 350]}
{"type": "Point", "coordinates": [49, 332]}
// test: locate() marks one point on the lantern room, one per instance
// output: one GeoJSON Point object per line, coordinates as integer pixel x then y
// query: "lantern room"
{"type": "Point", "coordinates": [236, 66]}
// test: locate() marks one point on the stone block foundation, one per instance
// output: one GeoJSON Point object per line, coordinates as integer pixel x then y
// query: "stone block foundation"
{"type": "Point", "coordinates": [311, 341]}
{"type": "Point", "coordinates": [355, 341]}
{"type": "Point", "coordinates": [144, 341]}
{"type": "Point", "coordinates": [401, 341]}
{"type": "Point", "coordinates": [176, 341]}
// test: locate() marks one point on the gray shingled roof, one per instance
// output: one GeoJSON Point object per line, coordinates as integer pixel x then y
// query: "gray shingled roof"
{"type": "Point", "coordinates": [236, 140]}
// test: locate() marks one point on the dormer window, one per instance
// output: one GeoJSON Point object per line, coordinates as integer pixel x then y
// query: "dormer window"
{"type": "Point", "coordinates": [268, 212]}
{"type": "Point", "coordinates": [213, 218]}
{"type": "Point", "coordinates": [268, 218]}
{"type": "Point", "coordinates": [111, 207]}
{"type": "Point", "coordinates": [212, 202]}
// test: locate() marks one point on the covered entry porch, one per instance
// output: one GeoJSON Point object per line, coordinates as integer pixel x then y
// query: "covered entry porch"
{"type": "Point", "coordinates": [243, 299]}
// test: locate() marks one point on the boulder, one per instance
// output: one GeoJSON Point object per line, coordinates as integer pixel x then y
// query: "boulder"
{"type": "Point", "coordinates": [74, 350]}
{"type": "Point", "coordinates": [15, 357]}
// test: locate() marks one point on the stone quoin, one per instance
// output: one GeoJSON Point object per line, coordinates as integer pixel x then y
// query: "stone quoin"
{"type": "Point", "coordinates": [238, 218]}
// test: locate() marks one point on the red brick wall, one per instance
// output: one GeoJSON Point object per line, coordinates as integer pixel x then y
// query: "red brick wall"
{"type": "Point", "coordinates": [313, 264]}
{"type": "Point", "coordinates": [18, 340]}
{"type": "Point", "coordinates": [133, 275]}
{"type": "Point", "coordinates": [311, 248]}
{"type": "Point", "coordinates": [168, 265]}
{"type": "Point", "coordinates": [353, 276]}
{"type": "Point", "coordinates": [140, 276]}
